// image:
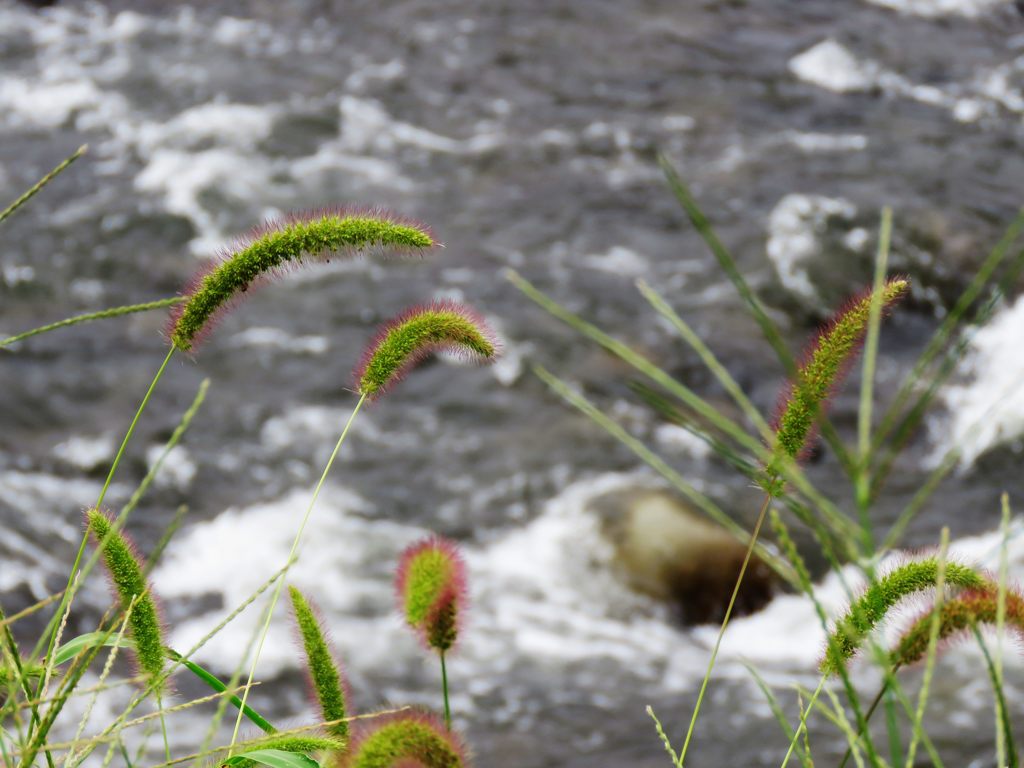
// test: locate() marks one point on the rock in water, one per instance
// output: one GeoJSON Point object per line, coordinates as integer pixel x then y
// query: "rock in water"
{"type": "Point", "coordinates": [669, 551]}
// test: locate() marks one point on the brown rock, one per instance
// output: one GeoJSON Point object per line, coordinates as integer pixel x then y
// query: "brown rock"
{"type": "Point", "coordinates": [671, 552]}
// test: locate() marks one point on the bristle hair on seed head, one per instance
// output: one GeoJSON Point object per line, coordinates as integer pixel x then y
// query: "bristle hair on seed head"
{"type": "Point", "coordinates": [125, 570]}
{"type": "Point", "coordinates": [885, 593]}
{"type": "Point", "coordinates": [968, 610]}
{"type": "Point", "coordinates": [304, 743]}
{"type": "Point", "coordinates": [431, 588]}
{"type": "Point", "coordinates": [411, 738]}
{"type": "Point", "coordinates": [282, 244]}
{"type": "Point", "coordinates": [825, 363]}
{"type": "Point", "coordinates": [326, 680]}
{"type": "Point", "coordinates": [401, 343]}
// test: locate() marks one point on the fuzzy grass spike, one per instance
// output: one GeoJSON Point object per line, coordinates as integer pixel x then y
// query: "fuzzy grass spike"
{"type": "Point", "coordinates": [965, 612]}
{"type": "Point", "coordinates": [431, 588]}
{"type": "Point", "coordinates": [324, 674]}
{"type": "Point", "coordinates": [865, 613]}
{"type": "Point", "coordinates": [406, 740]}
{"type": "Point", "coordinates": [419, 332]}
{"type": "Point", "coordinates": [310, 235]}
{"type": "Point", "coordinates": [129, 583]}
{"type": "Point", "coordinates": [826, 362]}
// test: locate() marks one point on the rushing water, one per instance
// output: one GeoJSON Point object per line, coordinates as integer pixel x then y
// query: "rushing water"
{"type": "Point", "coordinates": [527, 134]}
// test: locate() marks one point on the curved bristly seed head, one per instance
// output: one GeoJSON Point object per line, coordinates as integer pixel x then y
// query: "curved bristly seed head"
{"type": "Point", "coordinates": [292, 241]}
{"type": "Point", "coordinates": [419, 332]}
{"type": "Point", "coordinates": [866, 612]}
{"type": "Point", "coordinates": [327, 682]}
{"type": "Point", "coordinates": [129, 583]}
{"type": "Point", "coordinates": [817, 378]}
{"type": "Point", "coordinates": [431, 587]}
{"type": "Point", "coordinates": [404, 740]}
{"type": "Point", "coordinates": [969, 610]}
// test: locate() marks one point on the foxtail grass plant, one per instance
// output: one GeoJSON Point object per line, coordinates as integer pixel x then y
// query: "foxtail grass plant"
{"type": "Point", "coordinates": [817, 378]}
{"type": "Point", "coordinates": [432, 596]}
{"type": "Point", "coordinates": [325, 676]}
{"type": "Point", "coordinates": [36, 685]}
{"type": "Point", "coordinates": [395, 350]}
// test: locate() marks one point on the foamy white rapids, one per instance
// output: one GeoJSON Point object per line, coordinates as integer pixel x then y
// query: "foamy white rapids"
{"type": "Point", "coordinates": [832, 66]}
{"type": "Point", "coordinates": [987, 409]}
{"type": "Point", "coordinates": [788, 633]}
{"type": "Point", "coordinates": [794, 227]}
{"type": "Point", "coordinates": [545, 591]}
{"type": "Point", "coordinates": [937, 8]}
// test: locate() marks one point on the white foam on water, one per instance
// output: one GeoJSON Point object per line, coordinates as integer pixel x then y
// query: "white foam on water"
{"type": "Point", "coordinates": [618, 260]}
{"type": "Point", "coordinates": [939, 8]}
{"type": "Point", "coordinates": [987, 409]}
{"type": "Point", "coordinates": [277, 339]}
{"type": "Point", "coordinates": [830, 65]}
{"type": "Point", "coordinates": [367, 127]}
{"type": "Point", "coordinates": [794, 227]}
{"type": "Point", "coordinates": [826, 142]}
{"type": "Point", "coordinates": [86, 452]}
{"type": "Point", "coordinates": [344, 565]}
{"type": "Point", "coordinates": [178, 470]}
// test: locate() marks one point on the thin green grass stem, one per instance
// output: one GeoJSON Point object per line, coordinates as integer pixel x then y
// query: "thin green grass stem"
{"type": "Point", "coordinates": [933, 642]}
{"type": "Point", "coordinates": [700, 500]}
{"type": "Point", "coordinates": [948, 325]}
{"type": "Point", "coordinates": [802, 727]}
{"type": "Point", "coordinates": [768, 328]}
{"type": "Point", "coordinates": [34, 190]}
{"type": "Point", "coordinates": [1004, 734]}
{"type": "Point", "coordinates": [163, 727]}
{"type": "Point", "coordinates": [444, 687]}
{"type": "Point", "coordinates": [49, 636]}
{"type": "Point", "coordinates": [708, 358]}
{"type": "Point", "coordinates": [725, 623]}
{"type": "Point", "coordinates": [867, 382]}
{"type": "Point", "coordinates": [291, 557]}
{"type": "Point", "coordinates": [102, 314]}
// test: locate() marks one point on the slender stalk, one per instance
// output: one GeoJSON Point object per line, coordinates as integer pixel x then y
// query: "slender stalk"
{"type": "Point", "coordinates": [725, 623]}
{"type": "Point", "coordinates": [42, 182]}
{"type": "Point", "coordinates": [102, 314]}
{"type": "Point", "coordinates": [50, 635]}
{"type": "Point", "coordinates": [291, 555]}
{"type": "Point", "coordinates": [867, 382]}
{"type": "Point", "coordinates": [933, 640]}
{"type": "Point", "coordinates": [444, 687]}
{"type": "Point", "coordinates": [803, 721]}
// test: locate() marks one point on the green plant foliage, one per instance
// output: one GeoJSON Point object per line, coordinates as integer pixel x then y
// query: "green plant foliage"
{"type": "Point", "coordinates": [865, 613]}
{"type": "Point", "coordinates": [818, 377]}
{"type": "Point", "coordinates": [294, 745]}
{"type": "Point", "coordinates": [323, 672]}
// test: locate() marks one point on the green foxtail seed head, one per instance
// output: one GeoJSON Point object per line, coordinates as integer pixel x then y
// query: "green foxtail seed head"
{"type": "Point", "coordinates": [417, 333]}
{"type": "Point", "coordinates": [301, 743]}
{"type": "Point", "coordinates": [405, 739]}
{"type": "Point", "coordinates": [324, 675]}
{"type": "Point", "coordinates": [964, 612]}
{"type": "Point", "coordinates": [865, 613]}
{"type": "Point", "coordinates": [267, 250]}
{"type": "Point", "coordinates": [817, 378]}
{"type": "Point", "coordinates": [126, 574]}
{"type": "Point", "coordinates": [431, 588]}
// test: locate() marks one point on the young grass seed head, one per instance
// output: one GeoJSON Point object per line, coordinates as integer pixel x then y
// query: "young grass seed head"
{"type": "Point", "coordinates": [405, 341]}
{"type": "Point", "coordinates": [267, 250]}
